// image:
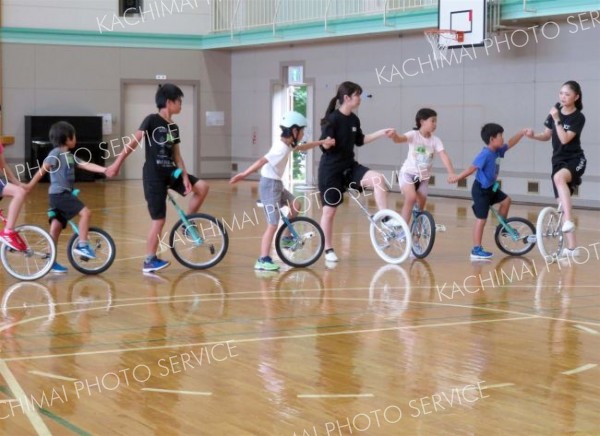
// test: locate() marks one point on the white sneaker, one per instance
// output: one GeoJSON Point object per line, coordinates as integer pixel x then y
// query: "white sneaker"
{"type": "Point", "coordinates": [330, 256]}
{"type": "Point", "coordinates": [393, 222]}
{"type": "Point", "coordinates": [568, 226]}
{"type": "Point", "coordinates": [568, 252]}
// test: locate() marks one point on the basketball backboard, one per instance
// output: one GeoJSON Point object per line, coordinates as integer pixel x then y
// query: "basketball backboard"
{"type": "Point", "coordinates": [466, 16]}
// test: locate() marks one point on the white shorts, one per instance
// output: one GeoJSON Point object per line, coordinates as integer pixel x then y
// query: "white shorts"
{"type": "Point", "coordinates": [407, 179]}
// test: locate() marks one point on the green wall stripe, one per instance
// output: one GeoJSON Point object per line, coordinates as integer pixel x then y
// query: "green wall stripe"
{"type": "Point", "coordinates": [355, 26]}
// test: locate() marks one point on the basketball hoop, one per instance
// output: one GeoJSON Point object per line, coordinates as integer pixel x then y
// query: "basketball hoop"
{"type": "Point", "coordinates": [440, 39]}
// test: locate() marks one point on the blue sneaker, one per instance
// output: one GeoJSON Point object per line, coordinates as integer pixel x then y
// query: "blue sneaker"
{"type": "Point", "coordinates": [154, 264]}
{"type": "Point", "coordinates": [84, 249]}
{"type": "Point", "coordinates": [58, 268]}
{"type": "Point", "coordinates": [479, 253]}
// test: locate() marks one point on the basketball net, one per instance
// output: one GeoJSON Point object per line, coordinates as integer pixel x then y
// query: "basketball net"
{"type": "Point", "coordinates": [440, 40]}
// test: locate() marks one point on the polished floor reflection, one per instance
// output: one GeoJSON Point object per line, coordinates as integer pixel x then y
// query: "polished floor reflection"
{"type": "Point", "coordinates": [441, 346]}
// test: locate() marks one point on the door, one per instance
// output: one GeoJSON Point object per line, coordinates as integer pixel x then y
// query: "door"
{"type": "Point", "coordinates": [138, 103]}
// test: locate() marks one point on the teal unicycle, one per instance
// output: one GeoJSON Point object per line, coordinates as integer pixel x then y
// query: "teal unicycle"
{"type": "Point", "coordinates": [199, 240]}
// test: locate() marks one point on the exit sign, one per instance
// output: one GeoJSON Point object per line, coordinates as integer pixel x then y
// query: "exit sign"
{"type": "Point", "coordinates": [296, 75]}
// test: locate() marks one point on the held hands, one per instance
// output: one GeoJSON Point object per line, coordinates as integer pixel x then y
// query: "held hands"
{"type": "Point", "coordinates": [528, 132]}
{"type": "Point", "coordinates": [452, 178]}
{"type": "Point", "coordinates": [390, 133]}
{"type": "Point", "coordinates": [112, 170]}
{"type": "Point", "coordinates": [327, 143]}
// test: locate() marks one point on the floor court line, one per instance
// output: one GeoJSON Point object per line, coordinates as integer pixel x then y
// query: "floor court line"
{"type": "Point", "coordinates": [31, 413]}
{"type": "Point", "coordinates": [259, 339]}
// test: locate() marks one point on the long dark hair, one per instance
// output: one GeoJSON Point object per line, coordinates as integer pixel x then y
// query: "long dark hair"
{"type": "Point", "coordinates": [577, 90]}
{"type": "Point", "coordinates": [422, 115]}
{"type": "Point", "coordinates": [346, 88]}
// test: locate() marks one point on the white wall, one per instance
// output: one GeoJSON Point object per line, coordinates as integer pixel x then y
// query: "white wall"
{"type": "Point", "coordinates": [74, 80]}
{"type": "Point", "coordinates": [515, 88]}
{"type": "Point", "coordinates": [162, 16]}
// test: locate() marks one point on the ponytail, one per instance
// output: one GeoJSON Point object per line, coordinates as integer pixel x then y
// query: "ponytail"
{"type": "Point", "coordinates": [346, 88]}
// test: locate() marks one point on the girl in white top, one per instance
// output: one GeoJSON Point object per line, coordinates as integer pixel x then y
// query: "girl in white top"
{"type": "Point", "coordinates": [416, 170]}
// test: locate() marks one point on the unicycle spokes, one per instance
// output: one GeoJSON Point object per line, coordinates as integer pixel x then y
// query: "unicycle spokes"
{"type": "Point", "coordinates": [390, 236]}
{"type": "Point", "coordinates": [199, 242]}
{"type": "Point", "coordinates": [515, 236]}
{"type": "Point", "coordinates": [36, 261]}
{"type": "Point", "coordinates": [549, 232]}
{"type": "Point", "coordinates": [299, 242]}
{"type": "Point", "coordinates": [423, 230]}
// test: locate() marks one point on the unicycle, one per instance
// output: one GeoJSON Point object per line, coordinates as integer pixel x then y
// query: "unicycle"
{"type": "Point", "coordinates": [422, 230]}
{"type": "Point", "coordinates": [99, 240]}
{"type": "Point", "coordinates": [199, 240]}
{"type": "Point", "coordinates": [389, 234]}
{"type": "Point", "coordinates": [36, 261]}
{"type": "Point", "coordinates": [549, 232]}
{"type": "Point", "coordinates": [514, 236]}
{"type": "Point", "coordinates": [299, 241]}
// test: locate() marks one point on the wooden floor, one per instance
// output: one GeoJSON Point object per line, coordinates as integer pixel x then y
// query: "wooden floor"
{"type": "Point", "coordinates": [441, 346]}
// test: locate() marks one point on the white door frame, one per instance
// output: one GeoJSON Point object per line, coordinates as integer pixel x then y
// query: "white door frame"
{"type": "Point", "coordinates": [195, 140]}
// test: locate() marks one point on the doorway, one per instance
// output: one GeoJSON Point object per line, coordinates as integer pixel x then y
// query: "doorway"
{"type": "Point", "coordinates": [137, 103]}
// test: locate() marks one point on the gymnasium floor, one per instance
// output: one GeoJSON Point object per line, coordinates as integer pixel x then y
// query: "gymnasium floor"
{"type": "Point", "coordinates": [441, 346]}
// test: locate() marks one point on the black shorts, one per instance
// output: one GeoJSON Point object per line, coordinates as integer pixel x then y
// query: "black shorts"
{"type": "Point", "coordinates": [155, 190]}
{"type": "Point", "coordinates": [576, 167]}
{"type": "Point", "coordinates": [332, 185]}
{"type": "Point", "coordinates": [483, 198]}
{"type": "Point", "coordinates": [63, 207]}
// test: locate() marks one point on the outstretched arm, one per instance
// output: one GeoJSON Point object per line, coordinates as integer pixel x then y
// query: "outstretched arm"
{"type": "Point", "coordinates": [10, 176]}
{"type": "Point", "coordinates": [92, 167]}
{"type": "Point", "coordinates": [398, 139]}
{"type": "Point", "coordinates": [378, 134]}
{"type": "Point", "coordinates": [45, 168]}
{"type": "Point", "coordinates": [113, 170]}
{"type": "Point", "coordinates": [544, 136]}
{"type": "Point", "coordinates": [251, 169]}
{"type": "Point", "coordinates": [514, 140]}
{"type": "Point", "coordinates": [448, 164]}
{"type": "Point", "coordinates": [327, 143]}
{"type": "Point", "coordinates": [466, 173]}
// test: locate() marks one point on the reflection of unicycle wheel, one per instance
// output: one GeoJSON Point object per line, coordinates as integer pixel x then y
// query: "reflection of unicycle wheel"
{"type": "Point", "coordinates": [421, 275]}
{"type": "Point", "coordinates": [300, 289]}
{"type": "Point", "coordinates": [198, 294]}
{"type": "Point", "coordinates": [28, 300]}
{"type": "Point", "coordinates": [389, 291]}
{"type": "Point", "coordinates": [95, 294]}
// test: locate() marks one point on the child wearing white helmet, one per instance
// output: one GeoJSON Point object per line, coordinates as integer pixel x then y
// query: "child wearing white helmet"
{"type": "Point", "coordinates": [272, 166]}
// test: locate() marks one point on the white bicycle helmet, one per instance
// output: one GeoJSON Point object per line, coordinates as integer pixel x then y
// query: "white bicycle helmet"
{"type": "Point", "coordinates": [292, 119]}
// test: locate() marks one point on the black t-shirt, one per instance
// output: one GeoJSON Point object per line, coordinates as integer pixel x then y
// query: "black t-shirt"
{"type": "Point", "coordinates": [573, 122]}
{"type": "Point", "coordinates": [346, 131]}
{"type": "Point", "coordinates": [160, 137]}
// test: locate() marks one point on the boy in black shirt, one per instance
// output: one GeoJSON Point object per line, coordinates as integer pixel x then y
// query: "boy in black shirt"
{"type": "Point", "coordinates": [163, 157]}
